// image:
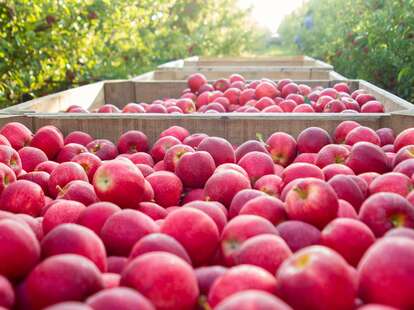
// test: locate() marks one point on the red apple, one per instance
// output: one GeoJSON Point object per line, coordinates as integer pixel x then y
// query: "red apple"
{"type": "Point", "coordinates": [133, 108]}
{"type": "Point", "coordinates": [167, 188]}
{"type": "Point", "coordinates": [392, 182]}
{"type": "Point", "coordinates": [315, 267]}
{"type": "Point", "coordinates": [313, 201]}
{"type": "Point", "coordinates": [195, 230]}
{"type": "Point", "coordinates": [361, 133]}
{"type": "Point", "coordinates": [252, 300]}
{"type": "Point", "coordinates": [405, 138]}
{"type": "Point", "coordinates": [65, 277]}
{"type": "Point", "coordinates": [349, 237]}
{"type": "Point", "coordinates": [384, 211]}
{"type": "Point", "coordinates": [69, 151]}
{"type": "Point", "coordinates": [103, 148]}
{"type": "Point", "coordinates": [63, 174]}
{"type": "Point", "coordinates": [219, 148]}
{"type": "Point", "coordinates": [20, 250]}
{"type": "Point", "coordinates": [391, 260]}
{"type": "Point", "coordinates": [78, 137]}
{"type": "Point", "coordinates": [132, 141]}
{"type": "Point", "coordinates": [332, 170]}
{"type": "Point", "coordinates": [17, 134]}
{"type": "Point", "coordinates": [31, 157]}
{"type": "Point", "coordinates": [247, 277]}
{"type": "Point", "coordinates": [11, 158]}
{"type": "Point", "coordinates": [119, 182]}
{"type": "Point", "coordinates": [89, 163]}
{"type": "Point", "coordinates": [267, 207]}
{"type": "Point", "coordinates": [95, 215]}
{"type": "Point", "coordinates": [342, 130]}
{"type": "Point", "coordinates": [49, 139]}
{"type": "Point", "coordinates": [298, 234]}
{"type": "Point", "coordinates": [367, 157]}
{"type": "Point", "coordinates": [240, 229]}
{"type": "Point", "coordinates": [223, 186]}
{"type": "Point", "coordinates": [282, 147]}
{"type": "Point", "coordinates": [347, 189]}
{"type": "Point", "coordinates": [108, 108]}
{"type": "Point", "coordinates": [312, 140]}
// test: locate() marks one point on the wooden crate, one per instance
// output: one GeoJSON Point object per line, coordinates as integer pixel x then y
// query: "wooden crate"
{"type": "Point", "coordinates": [121, 92]}
{"type": "Point", "coordinates": [236, 128]}
{"type": "Point", "coordinates": [264, 61]}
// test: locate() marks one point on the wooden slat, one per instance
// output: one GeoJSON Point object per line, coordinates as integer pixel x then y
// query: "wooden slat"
{"type": "Point", "coordinates": [87, 96]}
{"type": "Point", "coordinates": [119, 93]}
{"type": "Point", "coordinates": [237, 128]}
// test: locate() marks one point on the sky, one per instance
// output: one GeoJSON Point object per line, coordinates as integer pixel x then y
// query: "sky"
{"type": "Point", "coordinates": [269, 13]}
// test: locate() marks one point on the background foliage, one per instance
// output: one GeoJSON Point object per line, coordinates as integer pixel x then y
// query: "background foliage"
{"type": "Point", "coordinates": [367, 39]}
{"type": "Point", "coordinates": [46, 46]}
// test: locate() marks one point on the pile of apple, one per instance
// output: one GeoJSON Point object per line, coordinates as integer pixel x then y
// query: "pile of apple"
{"type": "Point", "coordinates": [261, 96]}
{"type": "Point", "coordinates": [193, 222]}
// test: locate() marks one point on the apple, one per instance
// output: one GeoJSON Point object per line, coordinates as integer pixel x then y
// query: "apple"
{"type": "Point", "coordinates": [23, 197]}
{"type": "Point", "coordinates": [78, 190]}
{"type": "Point", "coordinates": [195, 230]}
{"type": "Point", "coordinates": [349, 237]}
{"type": "Point", "coordinates": [132, 141]}
{"type": "Point", "coordinates": [7, 295]}
{"type": "Point", "coordinates": [207, 275]}
{"type": "Point", "coordinates": [69, 151]}
{"type": "Point", "coordinates": [117, 298]}
{"type": "Point", "coordinates": [195, 81]}
{"type": "Point", "coordinates": [405, 138]}
{"type": "Point", "coordinates": [31, 157]}
{"type": "Point", "coordinates": [332, 170]}
{"type": "Point", "coordinates": [312, 140]}
{"type": "Point", "coordinates": [361, 133]}
{"type": "Point", "coordinates": [133, 108]}
{"type": "Point", "coordinates": [179, 292]}
{"type": "Point", "coordinates": [63, 174]}
{"type": "Point", "coordinates": [75, 239]}
{"type": "Point", "coordinates": [372, 106]}
{"type": "Point", "coordinates": [246, 95]}
{"type": "Point", "coordinates": [49, 139]}
{"type": "Point", "coordinates": [393, 182]}
{"type": "Point", "coordinates": [384, 211]}
{"type": "Point", "coordinates": [270, 184]}
{"type": "Point", "coordinates": [96, 214]}
{"type": "Point", "coordinates": [316, 266]}
{"type": "Point", "coordinates": [78, 137]}
{"type": "Point", "coordinates": [301, 170]}
{"type": "Point", "coordinates": [342, 87]}
{"type": "Point", "coordinates": [309, 158]}
{"type": "Point", "coordinates": [251, 300]}
{"type": "Point", "coordinates": [241, 198]}
{"type": "Point", "coordinates": [17, 134]}
{"type": "Point", "coordinates": [20, 250]}
{"type": "Point", "coordinates": [238, 230]}
{"type": "Point", "coordinates": [108, 108]}
{"type": "Point", "coordinates": [256, 164]}
{"type": "Point", "coordinates": [103, 148]}
{"type": "Point", "coordinates": [11, 158]}
{"type": "Point", "coordinates": [119, 182]}
{"type": "Point", "coordinates": [342, 130]}
{"type": "Point", "coordinates": [404, 153]}
{"type": "Point", "coordinates": [135, 225]}
{"type": "Point", "coordinates": [266, 251]}
{"type": "Point", "coordinates": [347, 189]}
{"type": "Point", "coordinates": [390, 259]}
{"type": "Point", "coordinates": [247, 277]}
{"type": "Point", "coordinates": [223, 186]}
{"type": "Point", "coordinates": [332, 154]}
{"type": "Point", "coordinates": [47, 166]}
{"type": "Point", "coordinates": [162, 146]}
{"type": "Point", "coordinates": [65, 277]}
{"type": "Point", "coordinates": [364, 98]}
{"type": "Point", "coordinates": [157, 108]}
{"type": "Point", "coordinates": [7, 176]}
{"type": "Point", "coordinates": [267, 207]}
{"type": "Point", "coordinates": [298, 234]}
{"type": "Point", "coordinates": [367, 157]}
{"type": "Point", "coordinates": [221, 85]}
{"type": "Point", "coordinates": [167, 188]}
{"type": "Point", "coordinates": [220, 149]}
{"type": "Point", "coordinates": [282, 147]}
{"type": "Point", "coordinates": [313, 201]}
{"type": "Point", "coordinates": [60, 212]}
{"type": "Point", "coordinates": [89, 163]}
{"type": "Point", "coordinates": [266, 89]}
{"type": "Point", "coordinates": [195, 168]}
{"type": "Point", "coordinates": [216, 211]}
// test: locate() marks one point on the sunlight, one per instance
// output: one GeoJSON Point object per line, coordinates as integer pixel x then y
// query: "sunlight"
{"type": "Point", "coordinates": [269, 13]}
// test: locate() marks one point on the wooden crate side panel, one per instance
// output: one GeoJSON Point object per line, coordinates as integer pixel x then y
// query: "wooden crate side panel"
{"type": "Point", "coordinates": [399, 121]}
{"type": "Point", "coordinates": [250, 75]}
{"type": "Point", "coordinates": [149, 76]}
{"type": "Point", "coordinates": [23, 119]}
{"type": "Point", "coordinates": [390, 101]}
{"type": "Point", "coordinates": [237, 129]}
{"type": "Point", "coordinates": [150, 91]}
{"type": "Point", "coordinates": [119, 93]}
{"type": "Point", "coordinates": [85, 96]}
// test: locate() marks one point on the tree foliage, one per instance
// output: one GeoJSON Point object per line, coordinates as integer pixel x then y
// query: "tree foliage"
{"type": "Point", "coordinates": [367, 39]}
{"type": "Point", "coordinates": [50, 45]}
